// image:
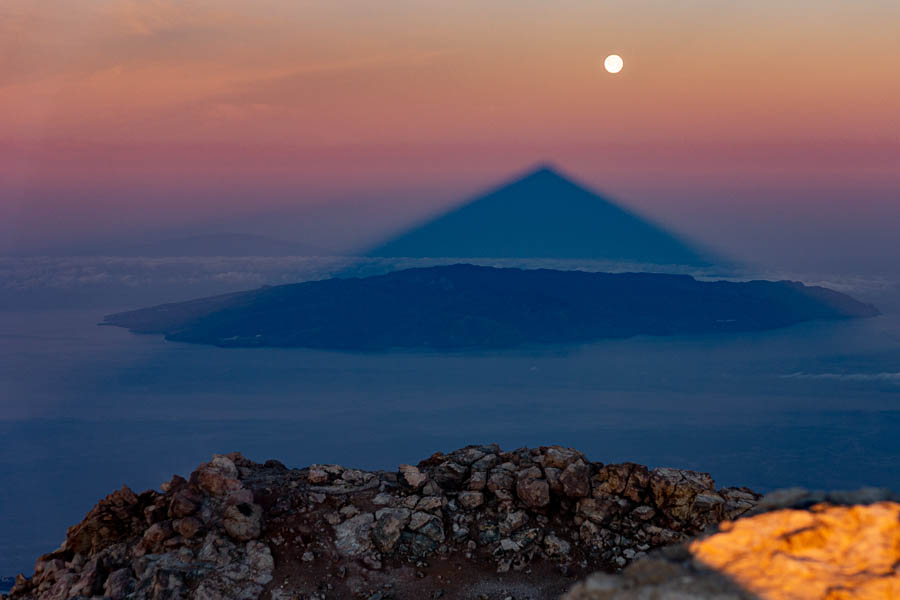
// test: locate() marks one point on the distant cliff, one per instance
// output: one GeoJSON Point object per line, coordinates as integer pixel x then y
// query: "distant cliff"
{"type": "Point", "coordinates": [466, 306]}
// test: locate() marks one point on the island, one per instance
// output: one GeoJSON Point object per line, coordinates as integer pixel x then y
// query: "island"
{"type": "Point", "coordinates": [457, 307]}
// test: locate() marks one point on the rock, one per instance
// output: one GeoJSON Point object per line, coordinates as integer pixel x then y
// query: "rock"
{"type": "Point", "coordinates": [501, 481]}
{"type": "Point", "coordinates": [419, 519]}
{"type": "Point", "coordinates": [430, 503]}
{"type": "Point", "coordinates": [598, 511]}
{"type": "Point", "coordinates": [188, 527]}
{"type": "Point", "coordinates": [157, 533]}
{"type": "Point", "coordinates": [674, 490]}
{"type": "Point", "coordinates": [119, 584]}
{"type": "Point", "coordinates": [217, 477]}
{"type": "Point", "coordinates": [795, 497]}
{"type": "Point", "coordinates": [468, 456]}
{"type": "Point", "coordinates": [450, 475]}
{"type": "Point", "coordinates": [90, 581]}
{"type": "Point", "coordinates": [350, 533]}
{"type": "Point", "coordinates": [738, 501]}
{"type": "Point", "coordinates": [412, 476]}
{"type": "Point", "coordinates": [382, 499]}
{"type": "Point", "coordinates": [355, 476]}
{"type": "Point", "coordinates": [628, 480]}
{"type": "Point", "coordinates": [433, 530]}
{"type": "Point", "coordinates": [643, 513]}
{"type": "Point", "coordinates": [513, 521]}
{"type": "Point", "coordinates": [184, 503]}
{"type": "Point", "coordinates": [243, 522]}
{"type": "Point", "coordinates": [509, 545]}
{"type": "Point", "coordinates": [575, 480]}
{"type": "Point", "coordinates": [556, 546]}
{"type": "Point", "coordinates": [552, 474]}
{"type": "Point", "coordinates": [477, 481]}
{"type": "Point", "coordinates": [115, 518]}
{"type": "Point", "coordinates": [389, 524]}
{"type": "Point", "coordinates": [485, 463]}
{"type": "Point", "coordinates": [818, 551]}
{"type": "Point", "coordinates": [534, 492]}
{"type": "Point", "coordinates": [811, 553]}
{"type": "Point", "coordinates": [352, 536]}
{"type": "Point", "coordinates": [559, 457]}
{"type": "Point", "coordinates": [470, 500]}
{"type": "Point", "coordinates": [317, 476]}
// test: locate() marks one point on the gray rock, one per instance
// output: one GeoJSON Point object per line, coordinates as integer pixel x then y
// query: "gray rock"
{"type": "Point", "coordinates": [556, 546]}
{"type": "Point", "coordinates": [352, 536]}
{"type": "Point", "coordinates": [575, 480]}
{"type": "Point", "coordinates": [450, 475]}
{"type": "Point", "coordinates": [243, 522]}
{"type": "Point", "coordinates": [470, 500]}
{"type": "Point", "coordinates": [119, 584]}
{"type": "Point", "coordinates": [533, 492]}
{"type": "Point", "coordinates": [389, 523]}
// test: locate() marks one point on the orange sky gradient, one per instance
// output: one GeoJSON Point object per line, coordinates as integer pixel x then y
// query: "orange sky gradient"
{"type": "Point", "coordinates": [300, 102]}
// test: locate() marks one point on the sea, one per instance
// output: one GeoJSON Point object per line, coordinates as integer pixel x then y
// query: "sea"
{"type": "Point", "coordinates": [85, 409]}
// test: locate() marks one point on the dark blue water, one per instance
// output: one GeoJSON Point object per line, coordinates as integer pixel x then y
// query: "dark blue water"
{"type": "Point", "coordinates": [84, 409]}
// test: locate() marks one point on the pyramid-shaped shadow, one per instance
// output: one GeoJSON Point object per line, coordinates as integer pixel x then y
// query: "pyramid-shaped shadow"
{"type": "Point", "coordinates": [543, 215]}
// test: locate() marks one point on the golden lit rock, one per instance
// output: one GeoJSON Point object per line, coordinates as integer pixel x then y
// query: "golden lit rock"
{"type": "Point", "coordinates": [833, 552]}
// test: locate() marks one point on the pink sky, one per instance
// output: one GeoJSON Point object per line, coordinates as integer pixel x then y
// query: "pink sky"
{"type": "Point", "coordinates": [127, 113]}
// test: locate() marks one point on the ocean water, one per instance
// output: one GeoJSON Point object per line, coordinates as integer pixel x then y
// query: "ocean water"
{"type": "Point", "coordinates": [85, 409]}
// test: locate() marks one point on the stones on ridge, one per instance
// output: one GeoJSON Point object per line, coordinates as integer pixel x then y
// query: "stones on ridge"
{"type": "Point", "coordinates": [477, 481]}
{"type": "Point", "coordinates": [419, 519]}
{"type": "Point", "coordinates": [217, 477]}
{"type": "Point", "coordinates": [575, 480]}
{"type": "Point", "coordinates": [119, 584]}
{"type": "Point", "coordinates": [470, 500]}
{"type": "Point", "coordinates": [560, 458]}
{"type": "Point", "coordinates": [629, 480]}
{"type": "Point", "coordinates": [352, 536]}
{"type": "Point", "coordinates": [219, 534]}
{"type": "Point", "coordinates": [322, 474]}
{"type": "Point", "coordinates": [187, 527]}
{"type": "Point", "coordinates": [502, 480]}
{"type": "Point", "coordinates": [798, 550]}
{"type": "Point", "coordinates": [317, 476]}
{"type": "Point", "coordinates": [450, 474]}
{"type": "Point", "coordinates": [597, 511]}
{"type": "Point", "coordinates": [556, 546]}
{"type": "Point", "coordinates": [430, 503]}
{"type": "Point", "coordinates": [412, 476]}
{"type": "Point", "coordinates": [512, 522]}
{"type": "Point", "coordinates": [389, 524]}
{"type": "Point", "coordinates": [532, 489]}
{"type": "Point", "coordinates": [243, 521]}
{"type": "Point", "coordinates": [156, 534]}
{"type": "Point", "coordinates": [675, 490]}
{"type": "Point", "coordinates": [184, 503]}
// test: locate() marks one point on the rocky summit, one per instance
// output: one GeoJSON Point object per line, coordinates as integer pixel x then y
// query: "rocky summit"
{"type": "Point", "coordinates": [799, 545]}
{"type": "Point", "coordinates": [476, 523]}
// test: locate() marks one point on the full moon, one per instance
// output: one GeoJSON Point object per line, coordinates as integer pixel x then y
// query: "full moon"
{"type": "Point", "coordinates": [613, 63]}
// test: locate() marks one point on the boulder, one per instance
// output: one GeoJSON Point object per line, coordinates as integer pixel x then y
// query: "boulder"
{"type": "Point", "coordinates": [352, 536]}
{"type": "Point", "coordinates": [243, 522]}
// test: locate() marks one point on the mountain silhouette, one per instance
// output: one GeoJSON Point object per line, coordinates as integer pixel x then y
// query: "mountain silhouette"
{"type": "Point", "coordinates": [543, 215]}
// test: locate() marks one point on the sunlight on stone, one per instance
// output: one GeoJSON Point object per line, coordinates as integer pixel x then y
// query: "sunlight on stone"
{"type": "Point", "coordinates": [827, 552]}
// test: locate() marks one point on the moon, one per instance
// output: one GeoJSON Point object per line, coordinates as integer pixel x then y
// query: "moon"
{"type": "Point", "coordinates": [613, 63]}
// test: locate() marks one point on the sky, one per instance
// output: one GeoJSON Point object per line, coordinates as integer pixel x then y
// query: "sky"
{"type": "Point", "coordinates": [767, 129]}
